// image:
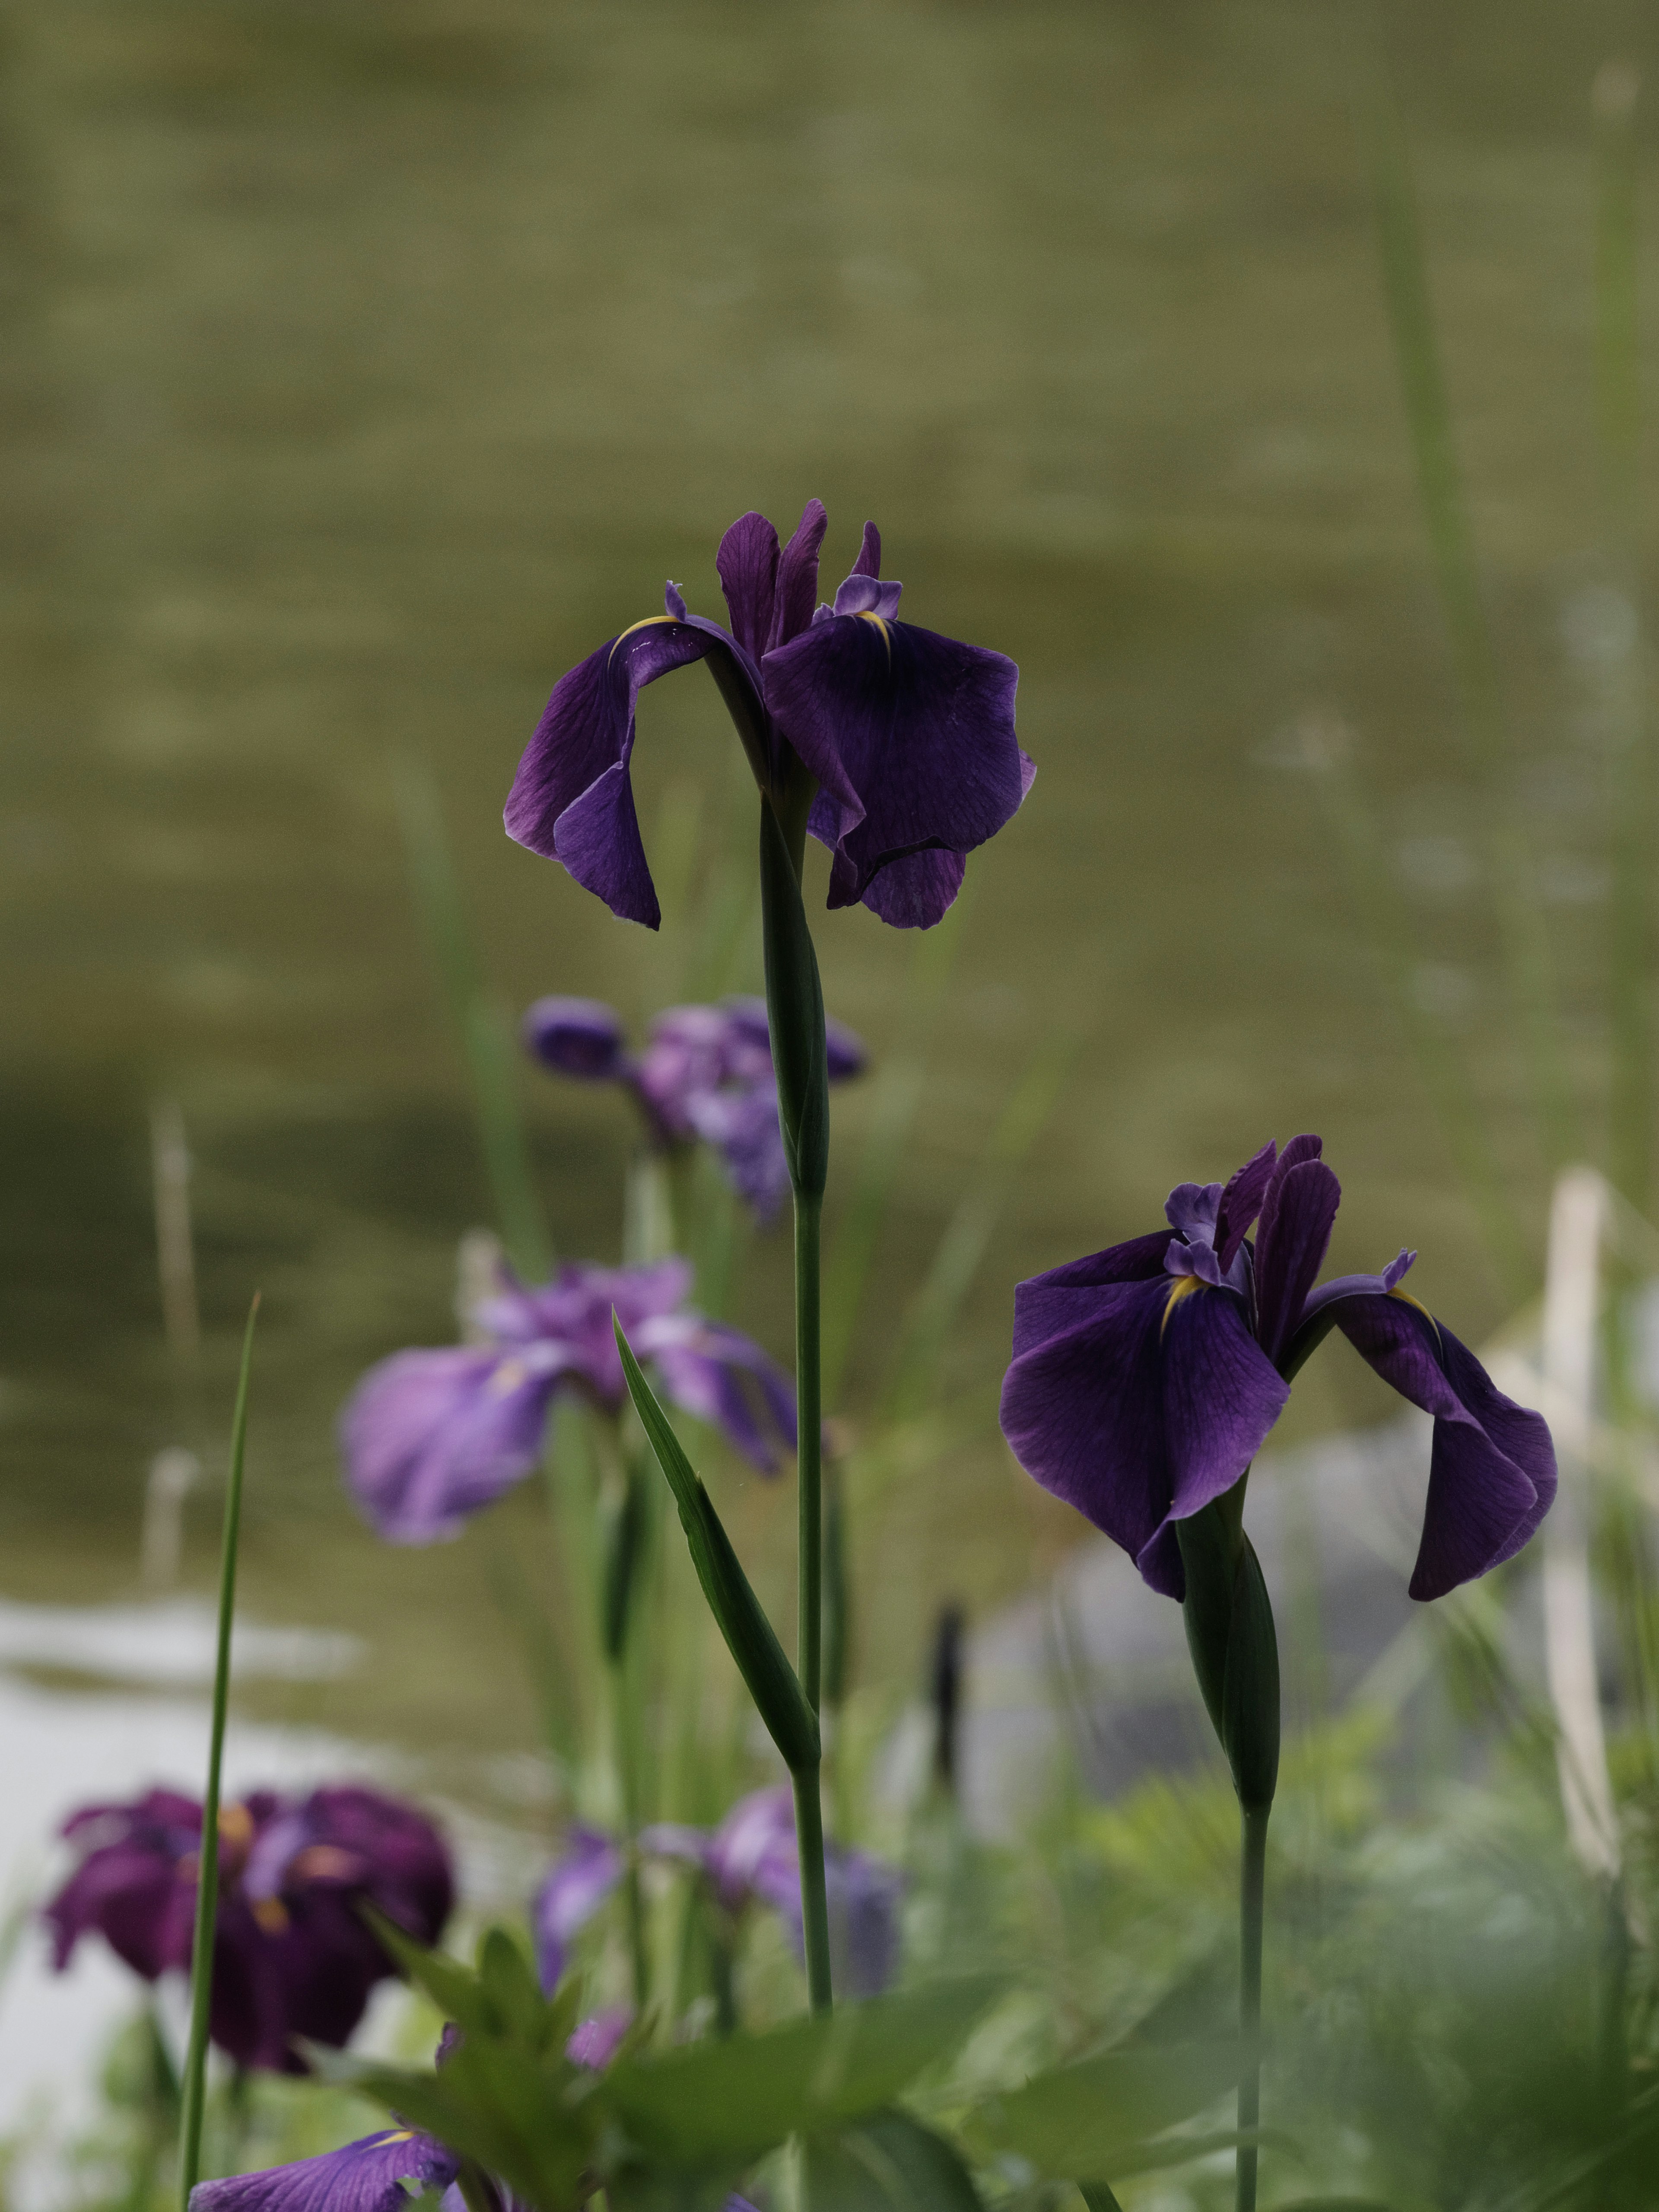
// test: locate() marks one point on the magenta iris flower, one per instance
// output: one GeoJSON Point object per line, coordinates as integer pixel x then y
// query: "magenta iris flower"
{"type": "Point", "coordinates": [292, 1954]}
{"type": "Point", "coordinates": [705, 1073]}
{"type": "Point", "coordinates": [428, 1437]}
{"type": "Point", "coordinates": [908, 736]}
{"type": "Point", "coordinates": [749, 1858]}
{"type": "Point", "coordinates": [1145, 1378]}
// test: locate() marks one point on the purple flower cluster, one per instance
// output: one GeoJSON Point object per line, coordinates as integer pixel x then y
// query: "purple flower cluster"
{"type": "Point", "coordinates": [292, 1954]}
{"type": "Point", "coordinates": [1145, 1378]}
{"type": "Point", "coordinates": [429, 1436]}
{"type": "Point", "coordinates": [909, 737]}
{"type": "Point", "coordinates": [705, 1073]}
{"type": "Point", "coordinates": [751, 1857]}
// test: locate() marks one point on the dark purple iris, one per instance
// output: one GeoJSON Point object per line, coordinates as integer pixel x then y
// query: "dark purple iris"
{"type": "Point", "coordinates": [749, 1858]}
{"type": "Point", "coordinates": [1145, 1378]}
{"type": "Point", "coordinates": [908, 736]}
{"type": "Point", "coordinates": [428, 1437]}
{"type": "Point", "coordinates": [292, 1954]}
{"type": "Point", "coordinates": [705, 1072]}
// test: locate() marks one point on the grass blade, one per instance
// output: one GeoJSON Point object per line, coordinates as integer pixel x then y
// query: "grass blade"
{"type": "Point", "coordinates": [207, 1873]}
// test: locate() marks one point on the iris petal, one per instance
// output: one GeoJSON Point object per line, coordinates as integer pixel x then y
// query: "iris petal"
{"type": "Point", "coordinates": [429, 1436]}
{"type": "Point", "coordinates": [366, 2176]}
{"type": "Point", "coordinates": [1297, 1214]}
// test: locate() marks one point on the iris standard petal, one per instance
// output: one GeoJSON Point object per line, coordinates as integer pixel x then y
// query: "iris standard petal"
{"type": "Point", "coordinates": [796, 590]}
{"type": "Point", "coordinates": [1297, 1210]}
{"type": "Point", "coordinates": [575, 1889]}
{"type": "Point", "coordinates": [1492, 1466]}
{"type": "Point", "coordinates": [571, 799]}
{"type": "Point", "coordinates": [429, 1436]}
{"type": "Point", "coordinates": [1241, 1202]}
{"type": "Point", "coordinates": [747, 565]}
{"type": "Point", "coordinates": [910, 735]}
{"type": "Point", "coordinates": [366, 2176]}
{"type": "Point", "coordinates": [580, 1037]}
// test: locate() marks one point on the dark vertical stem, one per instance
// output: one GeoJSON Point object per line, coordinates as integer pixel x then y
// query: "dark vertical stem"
{"type": "Point", "coordinates": [815, 1906]}
{"type": "Point", "coordinates": [809, 1422]}
{"type": "Point", "coordinates": [1252, 1887]}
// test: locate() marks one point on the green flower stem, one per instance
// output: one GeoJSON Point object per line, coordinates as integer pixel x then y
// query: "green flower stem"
{"type": "Point", "coordinates": [809, 1426]}
{"type": "Point", "coordinates": [1252, 1885]}
{"type": "Point", "coordinates": [814, 1897]}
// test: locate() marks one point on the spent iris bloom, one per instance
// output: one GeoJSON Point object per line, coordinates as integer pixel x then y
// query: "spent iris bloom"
{"type": "Point", "coordinates": [749, 1858]}
{"type": "Point", "coordinates": [292, 1954]}
{"type": "Point", "coordinates": [705, 1072]}
{"type": "Point", "coordinates": [429, 1436]}
{"type": "Point", "coordinates": [908, 737]}
{"type": "Point", "coordinates": [1145, 1378]}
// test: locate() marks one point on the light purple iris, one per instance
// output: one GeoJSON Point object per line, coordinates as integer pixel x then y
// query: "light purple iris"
{"type": "Point", "coordinates": [749, 1858]}
{"type": "Point", "coordinates": [705, 1072]}
{"type": "Point", "coordinates": [908, 736]}
{"type": "Point", "coordinates": [1145, 1378]}
{"type": "Point", "coordinates": [293, 1955]}
{"type": "Point", "coordinates": [428, 1437]}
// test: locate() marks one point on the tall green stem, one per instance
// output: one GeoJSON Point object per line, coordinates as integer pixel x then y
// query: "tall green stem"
{"type": "Point", "coordinates": [809, 1420]}
{"type": "Point", "coordinates": [1252, 1886]}
{"type": "Point", "coordinates": [207, 1867]}
{"type": "Point", "coordinates": [814, 1899]}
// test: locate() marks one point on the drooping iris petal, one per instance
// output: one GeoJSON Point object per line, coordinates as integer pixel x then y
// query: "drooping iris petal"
{"type": "Point", "coordinates": [1046, 1304]}
{"type": "Point", "coordinates": [743, 1128]}
{"type": "Point", "coordinates": [1298, 1212]}
{"type": "Point", "coordinates": [366, 2176]}
{"type": "Point", "coordinates": [572, 799]}
{"type": "Point", "coordinates": [579, 1037]}
{"type": "Point", "coordinates": [575, 1888]}
{"type": "Point", "coordinates": [911, 736]}
{"type": "Point", "coordinates": [1138, 1401]}
{"type": "Point", "coordinates": [135, 1884]}
{"type": "Point", "coordinates": [724, 1378]}
{"type": "Point", "coordinates": [1491, 1468]}
{"type": "Point", "coordinates": [429, 1436]}
{"type": "Point", "coordinates": [912, 893]}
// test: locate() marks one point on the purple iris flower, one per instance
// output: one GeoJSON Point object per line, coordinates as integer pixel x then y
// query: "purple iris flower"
{"type": "Point", "coordinates": [365, 2175]}
{"type": "Point", "coordinates": [1145, 1378]}
{"type": "Point", "coordinates": [292, 1955]}
{"type": "Point", "coordinates": [908, 736]}
{"type": "Point", "coordinates": [749, 1858]}
{"type": "Point", "coordinates": [430, 1436]}
{"type": "Point", "coordinates": [706, 1072]}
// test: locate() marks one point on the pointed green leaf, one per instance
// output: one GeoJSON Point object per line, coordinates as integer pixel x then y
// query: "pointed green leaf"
{"type": "Point", "coordinates": [739, 2097]}
{"type": "Point", "coordinates": [771, 1680]}
{"type": "Point", "coordinates": [888, 2163]}
{"type": "Point", "coordinates": [1087, 2117]}
{"type": "Point", "coordinates": [453, 1988]}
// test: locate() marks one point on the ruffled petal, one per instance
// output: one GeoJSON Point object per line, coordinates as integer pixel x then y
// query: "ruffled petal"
{"type": "Point", "coordinates": [1491, 1467]}
{"type": "Point", "coordinates": [1298, 1211]}
{"type": "Point", "coordinates": [428, 1437]}
{"type": "Point", "coordinates": [913, 893]}
{"type": "Point", "coordinates": [366, 2176]}
{"type": "Point", "coordinates": [723, 1377]}
{"type": "Point", "coordinates": [571, 799]}
{"type": "Point", "coordinates": [910, 735]}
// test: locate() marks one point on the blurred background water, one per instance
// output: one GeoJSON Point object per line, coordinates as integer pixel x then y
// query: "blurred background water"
{"type": "Point", "coordinates": [366, 363]}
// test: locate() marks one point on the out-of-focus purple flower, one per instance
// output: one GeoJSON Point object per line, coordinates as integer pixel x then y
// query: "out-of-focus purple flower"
{"type": "Point", "coordinates": [908, 736]}
{"type": "Point", "coordinates": [430, 1436]}
{"type": "Point", "coordinates": [705, 1072]}
{"type": "Point", "coordinates": [750, 1857]}
{"type": "Point", "coordinates": [292, 1955]}
{"type": "Point", "coordinates": [593, 2042]}
{"type": "Point", "coordinates": [1145, 1378]}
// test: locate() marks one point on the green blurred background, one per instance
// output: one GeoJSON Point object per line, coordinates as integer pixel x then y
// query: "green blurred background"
{"type": "Point", "coordinates": [368, 361]}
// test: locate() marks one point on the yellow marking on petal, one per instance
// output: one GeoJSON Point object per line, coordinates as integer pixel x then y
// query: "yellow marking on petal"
{"type": "Point", "coordinates": [396, 2136]}
{"type": "Point", "coordinates": [881, 625]}
{"type": "Point", "coordinates": [271, 1914]}
{"type": "Point", "coordinates": [1406, 1300]}
{"type": "Point", "coordinates": [235, 1824]}
{"type": "Point", "coordinates": [646, 621]}
{"type": "Point", "coordinates": [324, 1862]}
{"type": "Point", "coordinates": [1184, 1287]}
{"type": "Point", "coordinates": [507, 1378]}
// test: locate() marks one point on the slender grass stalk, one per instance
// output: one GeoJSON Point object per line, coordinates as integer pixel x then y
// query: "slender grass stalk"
{"type": "Point", "coordinates": [1509, 859]}
{"type": "Point", "coordinates": [809, 1426]}
{"type": "Point", "coordinates": [1632, 791]}
{"type": "Point", "coordinates": [207, 1871]}
{"type": "Point", "coordinates": [1252, 1897]}
{"type": "Point", "coordinates": [480, 1021]}
{"type": "Point", "coordinates": [815, 1906]}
